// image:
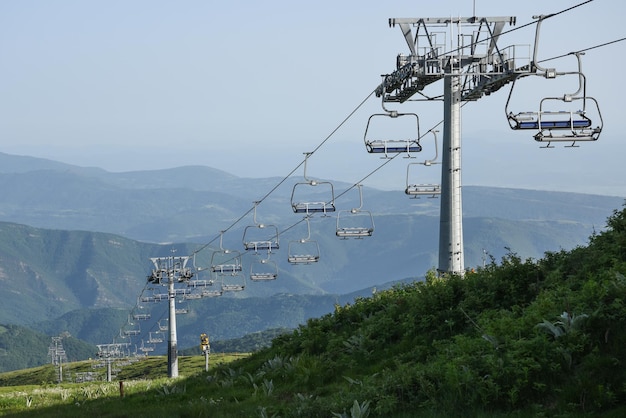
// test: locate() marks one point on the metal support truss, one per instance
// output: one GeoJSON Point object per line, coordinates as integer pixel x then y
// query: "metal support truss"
{"type": "Point", "coordinates": [476, 66]}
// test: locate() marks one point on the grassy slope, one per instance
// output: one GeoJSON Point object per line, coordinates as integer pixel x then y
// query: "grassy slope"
{"type": "Point", "coordinates": [517, 338]}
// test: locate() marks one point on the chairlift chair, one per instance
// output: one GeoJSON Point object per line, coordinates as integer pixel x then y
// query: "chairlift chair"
{"type": "Point", "coordinates": [146, 348]}
{"type": "Point", "coordinates": [130, 329]}
{"type": "Point", "coordinates": [301, 201]}
{"type": "Point", "coordinates": [232, 287]}
{"type": "Point", "coordinates": [263, 269]}
{"type": "Point", "coordinates": [200, 283]}
{"type": "Point", "coordinates": [392, 146]}
{"type": "Point", "coordinates": [260, 236]}
{"type": "Point", "coordinates": [304, 250]}
{"type": "Point", "coordinates": [235, 282]}
{"type": "Point", "coordinates": [415, 190]}
{"type": "Point", "coordinates": [225, 261]}
{"type": "Point", "coordinates": [211, 293]}
{"type": "Point", "coordinates": [154, 339]}
{"type": "Point", "coordinates": [559, 119]}
{"type": "Point", "coordinates": [356, 222]}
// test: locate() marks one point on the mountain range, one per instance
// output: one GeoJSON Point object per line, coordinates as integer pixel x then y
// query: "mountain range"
{"type": "Point", "coordinates": [76, 242]}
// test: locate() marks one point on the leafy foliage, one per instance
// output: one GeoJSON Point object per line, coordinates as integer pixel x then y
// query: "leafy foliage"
{"type": "Point", "coordinates": [451, 345]}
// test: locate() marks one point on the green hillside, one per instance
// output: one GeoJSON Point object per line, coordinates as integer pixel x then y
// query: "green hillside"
{"type": "Point", "coordinates": [21, 348]}
{"type": "Point", "coordinates": [519, 337]}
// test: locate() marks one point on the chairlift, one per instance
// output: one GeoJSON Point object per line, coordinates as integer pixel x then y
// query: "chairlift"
{"type": "Point", "coordinates": [200, 283]}
{"type": "Point", "coordinates": [224, 261]}
{"type": "Point", "coordinates": [263, 269]}
{"type": "Point", "coordinates": [302, 192]}
{"type": "Point", "coordinates": [211, 293]}
{"type": "Point", "coordinates": [415, 190]}
{"type": "Point", "coordinates": [232, 287]}
{"type": "Point", "coordinates": [141, 316]}
{"type": "Point", "coordinates": [182, 311]}
{"type": "Point", "coordinates": [304, 250]}
{"type": "Point", "coordinates": [163, 327]}
{"type": "Point", "coordinates": [132, 330]}
{"type": "Point", "coordinates": [235, 282]}
{"type": "Point", "coordinates": [392, 146]}
{"type": "Point", "coordinates": [260, 236]}
{"type": "Point", "coordinates": [559, 119]}
{"type": "Point", "coordinates": [154, 339]}
{"type": "Point", "coordinates": [158, 297]}
{"type": "Point", "coordinates": [356, 222]}
{"type": "Point", "coordinates": [146, 348]}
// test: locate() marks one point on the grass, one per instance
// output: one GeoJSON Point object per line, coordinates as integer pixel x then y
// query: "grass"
{"type": "Point", "coordinates": [146, 390]}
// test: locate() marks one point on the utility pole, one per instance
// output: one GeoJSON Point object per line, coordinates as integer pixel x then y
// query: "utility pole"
{"type": "Point", "coordinates": [474, 66]}
{"type": "Point", "coordinates": [169, 271]}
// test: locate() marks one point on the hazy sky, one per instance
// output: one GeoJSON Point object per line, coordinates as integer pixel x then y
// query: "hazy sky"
{"type": "Point", "coordinates": [249, 86]}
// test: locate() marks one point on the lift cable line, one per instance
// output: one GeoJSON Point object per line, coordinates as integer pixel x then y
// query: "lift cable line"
{"type": "Point", "coordinates": [350, 115]}
{"type": "Point", "coordinates": [284, 179]}
{"type": "Point", "coordinates": [584, 50]}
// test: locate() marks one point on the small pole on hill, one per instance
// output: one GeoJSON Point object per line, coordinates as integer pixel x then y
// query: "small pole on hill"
{"type": "Point", "coordinates": [206, 349]}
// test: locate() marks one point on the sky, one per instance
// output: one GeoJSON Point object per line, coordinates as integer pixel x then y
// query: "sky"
{"type": "Point", "coordinates": [248, 87]}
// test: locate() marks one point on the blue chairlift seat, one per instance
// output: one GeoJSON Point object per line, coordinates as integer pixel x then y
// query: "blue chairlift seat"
{"type": "Point", "coordinates": [313, 207]}
{"type": "Point", "coordinates": [375, 145]}
{"type": "Point", "coordinates": [549, 120]}
{"type": "Point", "coordinates": [392, 146]}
